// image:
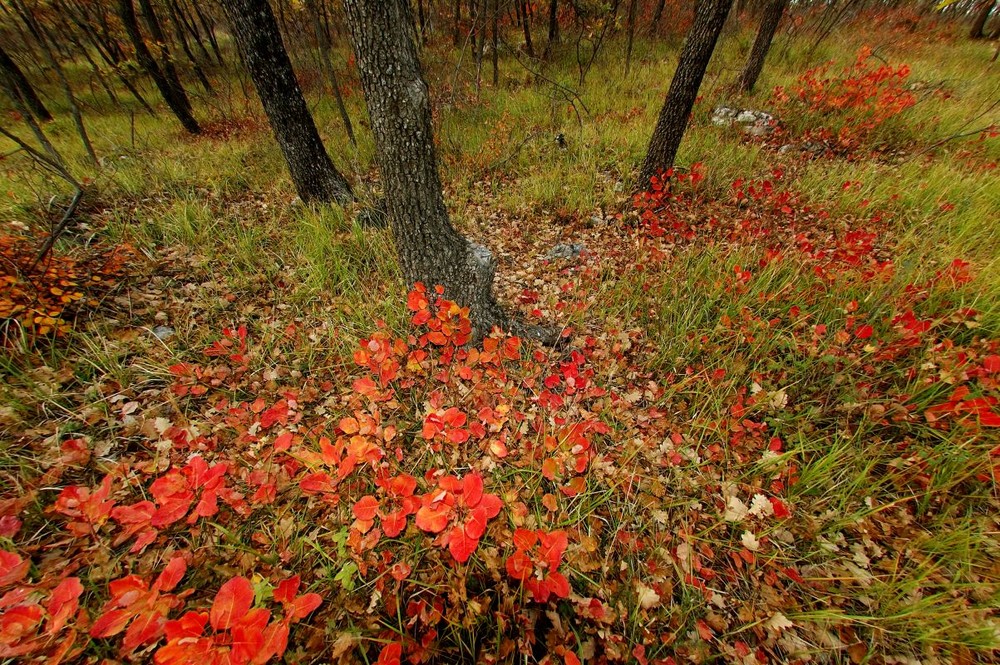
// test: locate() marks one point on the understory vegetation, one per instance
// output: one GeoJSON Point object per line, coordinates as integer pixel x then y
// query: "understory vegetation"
{"type": "Point", "coordinates": [229, 432]}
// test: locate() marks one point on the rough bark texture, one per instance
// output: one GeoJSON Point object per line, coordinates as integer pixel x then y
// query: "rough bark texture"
{"type": "Point", "coordinates": [430, 250]}
{"type": "Point", "coordinates": [175, 97]}
{"type": "Point", "coordinates": [979, 23]}
{"type": "Point", "coordinates": [19, 83]}
{"type": "Point", "coordinates": [697, 51]}
{"type": "Point", "coordinates": [259, 41]}
{"type": "Point", "coordinates": [769, 21]}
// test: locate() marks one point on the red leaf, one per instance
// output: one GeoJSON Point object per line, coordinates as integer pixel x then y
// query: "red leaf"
{"type": "Point", "coordinates": [461, 545]}
{"type": "Point", "coordinates": [393, 524]}
{"type": "Point", "coordinates": [304, 605]}
{"type": "Point", "coordinates": [63, 603]}
{"type": "Point", "coordinates": [390, 654]}
{"type": "Point", "coordinates": [520, 566]}
{"type": "Point", "coordinates": [171, 575]}
{"type": "Point", "coordinates": [525, 539]}
{"type": "Point", "coordinates": [366, 508]}
{"type": "Point", "coordinates": [558, 584]}
{"type": "Point", "coordinates": [349, 425]}
{"type": "Point", "coordinates": [989, 419]}
{"type": "Point", "coordinates": [233, 600]}
{"type": "Point", "coordinates": [275, 643]}
{"type": "Point", "coordinates": [991, 364]}
{"type": "Point", "coordinates": [248, 635]}
{"type": "Point", "coordinates": [433, 519]}
{"type": "Point", "coordinates": [704, 630]}
{"type": "Point", "coordinates": [190, 625]}
{"type": "Point", "coordinates": [472, 489]}
{"type": "Point", "coordinates": [12, 568]}
{"type": "Point", "coordinates": [111, 623]}
{"type": "Point", "coordinates": [286, 590]}
{"type": "Point", "coordinates": [146, 629]}
{"type": "Point", "coordinates": [864, 332]}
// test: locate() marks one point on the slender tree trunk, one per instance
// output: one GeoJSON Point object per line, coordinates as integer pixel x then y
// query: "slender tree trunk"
{"type": "Point", "coordinates": [209, 29]}
{"type": "Point", "coordinates": [259, 41]}
{"type": "Point", "coordinates": [456, 35]}
{"type": "Point", "coordinates": [979, 24]}
{"type": "Point", "coordinates": [695, 55]}
{"type": "Point", "coordinates": [431, 252]}
{"type": "Point", "coordinates": [769, 21]}
{"type": "Point", "coordinates": [166, 59]}
{"type": "Point", "coordinates": [633, 8]}
{"type": "Point", "coordinates": [323, 39]}
{"type": "Point", "coordinates": [526, 24]}
{"type": "Point", "coordinates": [654, 24]}
{"type": "Point", "coordinates": [553, 29]}
{"type": "Point", "coordinates": [179, 33]}
{"type": "Point", "coordinates": [479, 37]}
{"type": "Point", "coordinates": [74, 108]}
{"type": "Point", "coordinates": [176, 99]}
{"type": "Point", "coordinates": [495, 39]}
{"type": "Point", "coordinates": [21, 86]}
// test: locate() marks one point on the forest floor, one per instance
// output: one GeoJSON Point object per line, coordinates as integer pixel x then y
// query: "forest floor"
{"type": "Point", "coordinates": [771, 434]}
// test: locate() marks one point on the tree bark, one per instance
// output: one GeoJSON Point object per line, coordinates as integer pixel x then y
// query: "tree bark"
{"type": "Point", "coordinates": [762, 44]}
{"type": "Point", "coordinates": [166, 59]}
{"type": "Point", "coordinates": [20, 85]}
{"type": "Point", "coordinates": [673, 119]}
{"type": "Point", "coordinates": [259, 42]}
{"type": "Point", "coordinates": [430, 250]}
{"type": "Point", "coordinates": [979, 24]}
{"type": "Point", "coordinates": [176, 98]}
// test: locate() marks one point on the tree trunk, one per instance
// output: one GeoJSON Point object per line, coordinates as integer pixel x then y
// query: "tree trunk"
{"type": "Point", "coordinates": [495, 40]}
{"type": "Point", "coordinates": [179, 33]}
{"type": "Point", "coordinates": [323, 40]}
{"type": "Point", "coordinates": [166, 59]}
{"type": "Point", "coordinates": [654, 24]}
{"type": "Point", "coordinates": [697, 51]}
{"type": "Point", "coordinates": [431, 252]}
{"type": "Point", "coordinates": [979, 24]}
{"type": "Point", "coordinates": [456, 36]}
{"type": "Point", "coordinates": [420, 18]}
{"type": "Point", "coordinates": [259, 41]}
{"type": "Point", "coordinates": [633, 7]}
{"type": "Point", "coordinates": [762, 44]}
{"type": "Point", "coordinates": [526, 24]}
{"type": "Point", "coordinates": [20, 85]}
{"type": "Point", "coordinates": [553, 29]}
{"type": "Point", "coordinates": [176, 99]}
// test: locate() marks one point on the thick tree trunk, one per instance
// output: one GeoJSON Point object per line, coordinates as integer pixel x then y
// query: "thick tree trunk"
{"type": "Point", "coordinates": [762, 44]}
{"type": "Point", "coordinates": [175, 98]}
{"type": "Point", "coordinates": [430, 250]}
{"type": "Point", "coordinates": [695, 55]}
{"type": "Point", "coordinates": [259, 41]}
{"type": "Point", "coordinates": [979, 24]}
{"type": "Point", "coordinates": [20, 84]}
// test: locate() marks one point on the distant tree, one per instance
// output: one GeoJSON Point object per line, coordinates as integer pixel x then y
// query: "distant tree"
{"type": "Point", "coordinates": [171, 90]}
{"type": "Point", "coordinates": [673, 119]}
{"type": "Point", "coordinates": [259, 42]}
{"type": "Point", "coordinates": [633, 7]}
{"type": "Point", "coordinates": [769, 21]}
{"type": "Point", "coordinates": [430, 250]}
{"type": "Point", "coordinates": [553, 29]}
{"type": "Point", "coordinates": [22, 87]}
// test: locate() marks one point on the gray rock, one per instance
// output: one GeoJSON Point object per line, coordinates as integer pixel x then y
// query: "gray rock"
{"type": "Point", "coordinates": [755, 123]}
{"type": "Point", "coordinates": [163, 333]}
{"type": "Point", "coordinates": [566, 250]}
